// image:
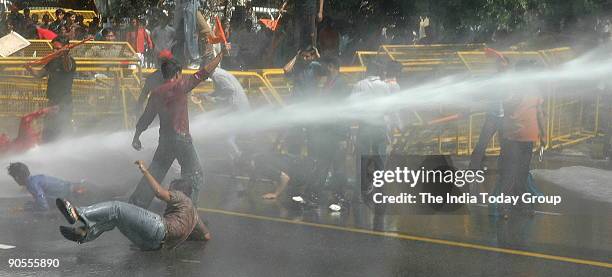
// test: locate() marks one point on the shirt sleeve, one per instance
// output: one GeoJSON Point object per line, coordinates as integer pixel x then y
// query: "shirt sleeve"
{"type": "Point", "coordinates": [188, 83]}
{"type": "Point", "coordinates": [148, 115]}
{"type": "Point", "coordinates": [39, 197]}
{"type": "Point", "coordinates": [223, 87]}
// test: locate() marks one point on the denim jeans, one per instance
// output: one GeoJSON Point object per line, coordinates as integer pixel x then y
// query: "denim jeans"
{"type": "Point", "coordinates": [177, 147]}
{"type": "Point", "coordinates": [60, 123]}
{"type": "Point", "coordinates": [144, 228]}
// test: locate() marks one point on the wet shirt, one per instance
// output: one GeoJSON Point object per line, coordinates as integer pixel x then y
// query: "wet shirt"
{"type": "Point", "coordinates": [169, 101]}
{"type": "Point", "coordinates": [44, 188]}
{"type": "Point", "coordinates": [304, 79]}
{"type": "Point", "coordinates": [163, 38]}
{"type": "Point", "coordinates": [59, 85]}
{"type": "Point", "coordinates": [180, 219]}
{"type": "Point", "coordinates": [228, 88]}
{"type": "Point", "coordinates": [371, 86]}
{"type": "Point", "coordinates": [520, 121]}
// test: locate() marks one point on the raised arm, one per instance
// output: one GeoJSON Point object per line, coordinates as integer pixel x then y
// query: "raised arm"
{"type": "Point", "coordinates": [320, 14]}
{"type": "Point", "coordinates": [288, 68]}
{"type": "Point", "coordinates": [203, 73]}
{"type": "Point", "coordinates": [160, 192]}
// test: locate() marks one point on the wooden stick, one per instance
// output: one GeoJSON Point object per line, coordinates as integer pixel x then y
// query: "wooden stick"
{"type": "Point", "coordinates": [46, 59]}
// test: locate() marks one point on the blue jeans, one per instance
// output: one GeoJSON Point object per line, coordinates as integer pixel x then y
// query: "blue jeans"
{"type": "Point", "coordinates": [144, 228]}
{"type": "Point", "coordinates": [170, 148]}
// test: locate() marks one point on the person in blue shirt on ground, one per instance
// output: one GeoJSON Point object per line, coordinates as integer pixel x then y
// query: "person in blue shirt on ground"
{"type": "Point", "coordinates": [42, 187]}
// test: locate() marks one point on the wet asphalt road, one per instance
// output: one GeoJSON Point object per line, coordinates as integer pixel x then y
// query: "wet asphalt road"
{"type": "Point", "coordinates": [264, 238]}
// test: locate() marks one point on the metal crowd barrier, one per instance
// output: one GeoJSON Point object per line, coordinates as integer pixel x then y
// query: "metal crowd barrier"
{"type": "Point", "coordinates": [572, 114]}
{"type": "Point", "coordinates": [105, 71]}
{"type": "Point", "coordinates": [109, 81]}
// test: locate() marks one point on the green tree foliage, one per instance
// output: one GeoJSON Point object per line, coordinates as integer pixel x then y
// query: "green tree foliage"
{"type": "Point", "coordinates": [452, 18]}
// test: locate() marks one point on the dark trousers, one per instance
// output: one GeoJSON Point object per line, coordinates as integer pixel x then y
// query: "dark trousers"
{"type": "Point", "coordinates": [144, 228]}
{"type": "Point", "coordinates": [329, 155]}
{"type": "Point", "coordinates": [56, 124]}
{"type": "Point", "coordinates": [298, 138]}
{"type": "Point", "coordinates": [370, 151]}
{"type": "Point", "coordinates": [305, 30]}
{"type": "Point", "coordinates": [170, 148]}
{"type": "Point", "coordinates": [489, 128]}
{"type": "Point", "coordinates": [514, 164]}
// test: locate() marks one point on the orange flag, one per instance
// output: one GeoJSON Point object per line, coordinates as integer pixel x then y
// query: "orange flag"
{"type": "Point", "coordinates": [219, 36]}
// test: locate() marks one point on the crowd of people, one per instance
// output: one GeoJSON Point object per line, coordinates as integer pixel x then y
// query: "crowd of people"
{"type": "Point", "coordinates": [316, 153]}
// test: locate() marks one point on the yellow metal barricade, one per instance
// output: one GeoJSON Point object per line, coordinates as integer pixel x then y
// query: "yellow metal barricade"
{"type": "Point", "coordinates": [100, 83]}
{"type": "Point", "coordinates": [258, 90]}
{"type": "Point", "coordinates": [109, 81]}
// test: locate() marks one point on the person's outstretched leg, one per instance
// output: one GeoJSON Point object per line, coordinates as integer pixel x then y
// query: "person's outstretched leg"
{"type": "Point", "coordinates": [489, 128]}
{"type": "Point", "coordinates": [144, 228]}
{"type": "Point", "coordinates": [162, 160]}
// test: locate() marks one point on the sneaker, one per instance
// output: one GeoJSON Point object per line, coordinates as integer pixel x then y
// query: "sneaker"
{"type": "Point", "coordinates": [335, 207]}
{"type": "Point", "coordinates": [74, 234]}
{"type": "Point", "coordinates": [66, 208]}
{"type": "Point", "coordinates": [310, 202]}
{"type": "Point", "coordinates": [298, 199]}
{"type": "Point", "coordinates": [339, 204]}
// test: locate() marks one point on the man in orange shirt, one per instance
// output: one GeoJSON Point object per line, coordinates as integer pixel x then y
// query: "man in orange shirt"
{"type": "Point", "coordinates": [137, 38]}
{"type": "Point", "coordinates": [522, 127]}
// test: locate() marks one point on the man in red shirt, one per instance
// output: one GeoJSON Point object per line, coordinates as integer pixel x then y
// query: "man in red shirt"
{"type": "Point", "coordinates": [170, 102]}
{"type": "Point", "coordinates": [27, 137]}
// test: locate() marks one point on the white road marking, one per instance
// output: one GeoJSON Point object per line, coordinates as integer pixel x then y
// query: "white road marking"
{"type": "Point", "coordinates": [537, 212]}
{"type": "Point", "coordinates": [6, 246]}
{"type": "Point", "coordinates": [190, 261]}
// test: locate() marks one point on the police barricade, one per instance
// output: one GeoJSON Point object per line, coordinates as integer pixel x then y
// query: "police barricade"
{"type": "Point", "coordinates": [481, 66]}
{"type": "Point", "coordinates": [574, 110]}
{"type": "Point", "coordinates": [256, 87]}
{"type": "Point", "coordinates": [282, 85]}
{"type": "Point", "coordinates": [99, 87]}
{"type": "Point", "coordinates": [572, 114]}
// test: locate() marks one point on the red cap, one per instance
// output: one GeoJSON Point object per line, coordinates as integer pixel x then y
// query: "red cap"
{"type": "Point", "coordinates": [165, 54]}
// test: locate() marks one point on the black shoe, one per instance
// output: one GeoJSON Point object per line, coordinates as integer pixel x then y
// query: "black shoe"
{"type": "Point", "coordinates": [74, 234]}
{"type": "Point", "coordinates": [66, 209]}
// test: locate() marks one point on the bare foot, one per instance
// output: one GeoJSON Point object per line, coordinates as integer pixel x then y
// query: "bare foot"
{"type": "Point", "coordinates": [207, 236]}
{"type": "Point", "coordinates": [269, 196]}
